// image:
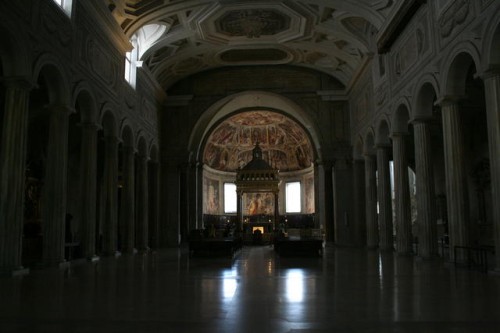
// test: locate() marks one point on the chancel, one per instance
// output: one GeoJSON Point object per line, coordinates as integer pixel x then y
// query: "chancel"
{"type": "Point", "coordinates": [249, 166]}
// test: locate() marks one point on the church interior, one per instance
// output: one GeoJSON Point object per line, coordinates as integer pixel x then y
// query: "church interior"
{"type": "Point", "coordinates": [301, 166]}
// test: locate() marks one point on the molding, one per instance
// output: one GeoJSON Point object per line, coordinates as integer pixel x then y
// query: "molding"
{"type": "Point", "coordinates": [106, 23]}
{"type": "Point", "coordinates": [396, 23]}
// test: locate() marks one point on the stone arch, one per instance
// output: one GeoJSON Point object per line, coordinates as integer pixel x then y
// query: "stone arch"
{"type": "Point", "coordinates": [454, 76]}
{"type": "Point", "coordinates": [358, 148]}
{"type": "Point", "coordinates": [142, 146]}
{"type": "Point", "coordinates": [127, 133]}
{"type": "Point", "coordinates": [491, 45]}
{"type": "Point", "coordinates": [425, 96]}
{"type": "Point", "coordinates": [382, 134]}
{"type": "Point", "coordinates": [258, 99]}
{"type": "Point", "coordinates": [369, 143]}
{"type": "Point", "coordinates": [401, 117]}
{"type": "Point", "coordinates": [83, 97]}
{"type": "Point", "coordinates": [55, 78]}
{"type": "Point", "coordinates": [153, 151]}
{"type": "Point", "coordinates": [127, 136]}
{"type": "Point", "coordinates": [108, 122]}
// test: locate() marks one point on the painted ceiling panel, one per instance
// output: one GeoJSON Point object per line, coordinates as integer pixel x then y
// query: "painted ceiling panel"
{"type": "Point", "coordinates": [331, 36]}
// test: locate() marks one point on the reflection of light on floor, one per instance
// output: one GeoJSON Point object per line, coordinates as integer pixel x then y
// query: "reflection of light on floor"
{"type": "Point", "coordinates": [295, 285]}
{"type": "Point", "coordinates": [229, 283]}
{"type": "Point", "coordinates": [380, 267]}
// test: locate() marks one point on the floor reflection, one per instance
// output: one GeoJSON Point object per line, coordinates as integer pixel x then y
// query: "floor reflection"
{"type": "Point", "coordinates": [347, 290]}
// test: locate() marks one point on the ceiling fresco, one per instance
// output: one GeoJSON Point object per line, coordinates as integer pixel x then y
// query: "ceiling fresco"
{"type": "Point", "coordinates": [285, 145]}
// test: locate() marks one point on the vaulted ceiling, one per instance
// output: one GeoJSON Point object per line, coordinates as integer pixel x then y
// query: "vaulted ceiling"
{"type": "Point", "coordinates": [180, 38]}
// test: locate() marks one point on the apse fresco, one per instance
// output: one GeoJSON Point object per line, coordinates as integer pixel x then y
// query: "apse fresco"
{"type": "Point", "coordinates": [285, 145]}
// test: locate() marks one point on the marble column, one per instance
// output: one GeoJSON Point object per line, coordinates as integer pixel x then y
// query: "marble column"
{"type": "Point", "coordinates": [54, 190]}
{"type": "Point", "coordinates": [324, 170]}
{"type": "Point", "coordinates": [426, 200]}
{"type": "Point", "coordinates": [372, 232]}
{"type": "Point", "coordinates": [127, 215]}
{"type": "Point", "coordinates": [142, 204]}
{"type": "Point", "coordinates": [153, 205]}
{"type": "Point", "coordinates": [404, 240]}
{"type": "Point", "coordinates": [384, 198]}
{"type": "Point", "coordinates": [12, 167]}
{"type": "Point", "coordinates": [88, 167]}
{"type": "Point", "coordinates": [456, 177]}
{"type": "Point", "coordinates": [492, 94]}
{"type": "Point", "coordinates": [110, 227]}
{"type": "Point", "coordinates": [359, 228]}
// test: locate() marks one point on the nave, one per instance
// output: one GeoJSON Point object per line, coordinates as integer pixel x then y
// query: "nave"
{"type": "Point", "coordinates": [347, 290]}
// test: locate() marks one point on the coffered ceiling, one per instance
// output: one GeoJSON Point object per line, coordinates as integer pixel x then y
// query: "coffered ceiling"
{"type": "Point", "coordinates": [180, 38]}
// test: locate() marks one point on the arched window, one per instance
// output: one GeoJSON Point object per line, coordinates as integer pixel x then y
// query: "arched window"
{"type": "Point", "coordinates": [131, 63]}
{"type": "Point", "coordinates": [142, 40]}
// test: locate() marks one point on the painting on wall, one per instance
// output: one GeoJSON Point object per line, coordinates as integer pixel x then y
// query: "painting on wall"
{"type": "Point", "coordinates": [309, 194]}
{"type": "Point", "coordinates": [211, 191]}
{"type": "Point", "coordinates": [258, 204]}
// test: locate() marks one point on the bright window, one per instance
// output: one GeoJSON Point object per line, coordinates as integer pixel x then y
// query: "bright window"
{"type": "Point", "coordinates": [229, 198]}
{"type": "Point", "coordinates": [65, 5]}
{"type": "Point", "coordinates": [131, 64]}
{"type": "Point", "coordinates": [292, 195]}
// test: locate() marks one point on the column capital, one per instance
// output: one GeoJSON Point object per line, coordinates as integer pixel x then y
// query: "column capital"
{"type": "Point", "coordinates": [399, 134]}
{"type": "Point", "coordinates": [17, 82]}
{"type": "Point", "coordinates": [490, 72]}
{"type": "Point", "coordinates": [90, 125]}
{"type": "Point", "coordinates": [421, 120]}
{"type": "Point", "coordinates": [112, 139]}
{"type": "Point", "coordinates": [60, 108]}
{"type": "Point", "coordinates": [447, 100]}
{"type": "Point", "coordinates": [324, 163]}
{"type": "Point", "coordinates": [382, 146]}
{"type": "Point", "coordinates": [129, 149]}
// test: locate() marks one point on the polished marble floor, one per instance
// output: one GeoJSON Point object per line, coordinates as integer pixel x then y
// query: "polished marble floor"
{"type": "Point", "coordinates": [348, 290]}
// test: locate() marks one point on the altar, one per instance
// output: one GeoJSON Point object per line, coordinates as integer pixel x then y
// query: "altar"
{"type": "Point", "coordinates": [257, 190]}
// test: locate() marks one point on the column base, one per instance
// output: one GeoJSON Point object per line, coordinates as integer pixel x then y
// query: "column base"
{"type": "Point", "coordinates": [94, 258]}
{"type": "Point", "coordinates": [15, 272]}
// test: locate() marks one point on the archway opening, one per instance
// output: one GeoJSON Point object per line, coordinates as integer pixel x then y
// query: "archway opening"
{"type": "Point", "coordinates": [286, 147]}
